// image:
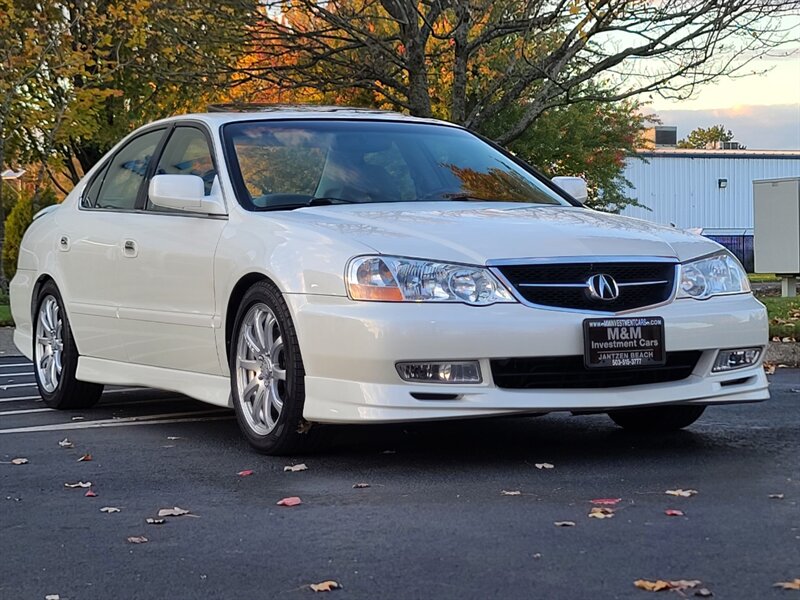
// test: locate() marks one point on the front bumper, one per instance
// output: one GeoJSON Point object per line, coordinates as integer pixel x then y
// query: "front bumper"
{"type": "Point", "coordinates": [350, 350]}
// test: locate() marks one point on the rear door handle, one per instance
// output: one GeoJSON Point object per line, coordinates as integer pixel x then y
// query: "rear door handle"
{"type": "Point", "coordinates": [129, 249]}
{"type": "Point", "coordinates": [63, 243]}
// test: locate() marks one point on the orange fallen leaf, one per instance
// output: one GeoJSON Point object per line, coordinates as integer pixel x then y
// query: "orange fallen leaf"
{"type": "Point", "coordinates": [85, 458]}
{"type": "Point", "coordinates": [290, 501]}
{"type": "Point", "coordinates": [673, 512]}
{"type": "Point", "coordinates": [90, 493]}
{"type": "Point", "coordinates": [788, 585]}
{"type": "Point", "coordinates": [326, 586]}
{"type": "Point", "coordinates": [660, 585]}
{"type": "Point", "coordinates": [599, 512]}
{"type": "Point", "coordinates": [606, 501]}
{"type": "Point", "coordinates": [245, 473]}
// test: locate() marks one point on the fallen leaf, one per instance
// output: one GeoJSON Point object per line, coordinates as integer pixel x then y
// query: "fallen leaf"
{"type": "Point", "coordinates": [85, 458]}
{"type": "Point", "coordinates": [660, 585]}
{"type": "Point", "coordinates": [510, 492]}
{"type": "Point", "coordinates": [326, 586]}
{"type": "Point", "coordinates": [52, 597]}
{"type": "Point", "coordinates": [776, 338]}
{"type": "Point", "coordinates": [544, 466]}
{"type": "Point", "coordinates": [80, 484]}
{"type": "Point", "coordinates": [704, 593]}
{"type": "Point", "coordinates": [295, 468]}
{"type": "Point", "coordinates": [151, 521]}
{"type": "Point", "coordinates": [673, 512]}
{"type": "Point", "coordinates": [681, 493]}
{"type": "Point", "coordinates": [78, 418]}
{"type": "Point", "coordinates": [538, 555]}
{"type": "Point", "coordinates": [359, 486]}
{"type": "Point", "coordinates": [19, 461]}
{"type": "Point", "coordinates": [109, 509]}
{"type": "Point", "coordinates": [389, 452]}
{"type": "Point", "coordinates": [599, 512]}
{"type": "Point", "coordinates": [776, 496]}
{"type": "Point", "coordinates": [564, 523]}
{"type": "Point", "coordinates": [769, 368]}
{"type": "Point", "coordinates": [137, 539]}
{"type": "Point", "coordinates": [245, 473]}
{"type": "Point", "coordinates": [788, 339]}
{"type": "Point", "coordinates": [172, 438]}
{"type": "Point", "coordinates": [606, 501]}
{"type": "Point", "coordinates": [65, 443]}
{"type": "Point", "coordinates": [90, 493]}
{"type": "Point", "coordinates": [290, 501]}
{"type": "Point", "coordinates": [303, 426]}
{"type": "Point", "coordinates": [788, 585]}
{"type": "Point", "coordinates": [175, 511]}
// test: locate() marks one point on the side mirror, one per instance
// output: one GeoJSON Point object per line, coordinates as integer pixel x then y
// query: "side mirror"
{"type": "Point", "coordinates": [574, 186]}
{"type": "Point", "coordinates": [187, 193]}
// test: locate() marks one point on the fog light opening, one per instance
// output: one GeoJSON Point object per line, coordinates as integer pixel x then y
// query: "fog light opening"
{"type": "Point", "coordinates": [738, 358]}
{"type": "Point", "coordinates": [466, 371]}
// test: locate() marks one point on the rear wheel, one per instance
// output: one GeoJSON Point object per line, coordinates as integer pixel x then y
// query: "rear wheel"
{"type": "Point", "coordinates": [267, 374]}
{"type": "Point", "coordinates": [55, 356]}
{"type": "Point", "coordinates": [657, 418]}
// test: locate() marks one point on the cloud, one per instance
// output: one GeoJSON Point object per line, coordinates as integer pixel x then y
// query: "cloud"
{"type": "Point", "coordinates": [759, 127]}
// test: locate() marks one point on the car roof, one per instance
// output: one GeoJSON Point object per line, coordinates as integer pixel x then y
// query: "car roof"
{"type": "Point", "coordinates": [219, 114]}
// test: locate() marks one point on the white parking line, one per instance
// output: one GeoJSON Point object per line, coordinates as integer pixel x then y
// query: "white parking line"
{"type": "Point", "coordinates": [16, 385]}
{"type": "Point", "coordinates": [16, 365]}
{"type": "Point", "coordinates": [184, 417]}
{"type": "Point", "coordinates": [37, 397]}
{"type": "Point", "coordinates": [30, 374]}
{"type": "Point", "coordinates": [26, 411]}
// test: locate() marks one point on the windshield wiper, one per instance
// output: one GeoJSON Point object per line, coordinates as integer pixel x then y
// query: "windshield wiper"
{"type": "Point", "coordinates": [316, 201]}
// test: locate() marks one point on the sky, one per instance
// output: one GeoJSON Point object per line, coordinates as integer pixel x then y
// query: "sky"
{"type": "Point", "coordinates": [763, 111]}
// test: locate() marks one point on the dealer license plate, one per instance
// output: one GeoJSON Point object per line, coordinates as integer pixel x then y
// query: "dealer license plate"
{"type": "Point", "coordinates": [627, 342]}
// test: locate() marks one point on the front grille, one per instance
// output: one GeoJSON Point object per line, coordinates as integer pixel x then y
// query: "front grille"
{"type": "Point", "coordinates": [564, 285]}
{"type": "Point", "coordinates": [569, 372]}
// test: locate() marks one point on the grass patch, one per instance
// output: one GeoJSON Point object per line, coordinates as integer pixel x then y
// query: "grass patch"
{"type": "Point", "coordinates": [784, 316]}
{"type": "Point", "coordinates": [5, 316]}
{"type": "Point", "coordinates": [763, 278]}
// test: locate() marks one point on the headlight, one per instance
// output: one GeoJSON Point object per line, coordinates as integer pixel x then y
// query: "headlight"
{"type": "Point", "coordinates": [397, 279]}
{"type": "Point", "coordinates": [714, 275]}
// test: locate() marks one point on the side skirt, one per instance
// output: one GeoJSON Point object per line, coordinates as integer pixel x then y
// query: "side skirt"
{"type": "Point", "coordinates": [213, 389]}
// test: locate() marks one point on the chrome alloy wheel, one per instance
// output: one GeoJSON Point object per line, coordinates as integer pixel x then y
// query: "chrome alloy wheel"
{"type": "Point", "coordinates": [260, 369]}
{"type": "Point", "coordinates": [49, 344]}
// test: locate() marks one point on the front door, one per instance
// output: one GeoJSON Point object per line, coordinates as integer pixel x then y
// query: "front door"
{"type": "Point", "coordinates": [166, 275]}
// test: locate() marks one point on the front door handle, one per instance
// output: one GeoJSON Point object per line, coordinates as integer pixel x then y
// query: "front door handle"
{"type": "Point", "coordinates": [129, 249]}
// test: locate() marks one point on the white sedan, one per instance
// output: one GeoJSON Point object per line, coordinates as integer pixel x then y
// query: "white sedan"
{"type": "Point", "coordinates": [351, 266]}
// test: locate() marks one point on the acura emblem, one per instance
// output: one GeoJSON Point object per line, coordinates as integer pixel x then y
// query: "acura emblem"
{"type": "Point", "coordinates": [602, 287]}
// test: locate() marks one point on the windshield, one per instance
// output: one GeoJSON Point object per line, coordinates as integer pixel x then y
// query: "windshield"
{"type": "Point", "coordinates": [280, 165]}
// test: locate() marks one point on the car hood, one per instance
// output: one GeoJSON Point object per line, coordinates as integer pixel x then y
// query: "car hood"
{"type": "Point", "coordinates": [475, 233]}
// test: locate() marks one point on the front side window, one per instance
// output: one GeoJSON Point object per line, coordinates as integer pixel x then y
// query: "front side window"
{"type": "Point", "coordinates": [289, 164]}
{"type": "Point", "coordinates": [187, 153]}
{"type": "Point", "coordinates": [126, 173]}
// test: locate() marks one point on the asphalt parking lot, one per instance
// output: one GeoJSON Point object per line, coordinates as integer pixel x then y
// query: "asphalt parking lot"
{"type": "Point", "coordinates": [433, 523]}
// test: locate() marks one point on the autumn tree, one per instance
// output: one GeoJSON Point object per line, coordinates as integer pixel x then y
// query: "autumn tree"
{"type": "Point", "coordinates": [705, 137]}
{"type": "Point", "coordinates": [471, 60]}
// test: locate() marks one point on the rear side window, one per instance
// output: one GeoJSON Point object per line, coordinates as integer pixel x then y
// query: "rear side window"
{"type": "Point", "coordinates": [126, 173]}
{"type": "Point", "coordinates": [89, 198]}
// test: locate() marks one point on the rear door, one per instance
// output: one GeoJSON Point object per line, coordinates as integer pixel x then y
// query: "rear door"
{"type": "Point", "coordinates": [89, 251]}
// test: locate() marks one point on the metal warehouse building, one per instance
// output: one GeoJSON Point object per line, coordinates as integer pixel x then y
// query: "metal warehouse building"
{"type": "Point", "coordinates": [708, 189]}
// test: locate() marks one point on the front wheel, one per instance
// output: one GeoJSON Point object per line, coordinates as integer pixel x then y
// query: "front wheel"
{"type": "Point", "coordinates": [267, 374]}
{"type": "Point", "coordinates": [657, 418]}
{"type": "Point", "coordinates": [55, 355]}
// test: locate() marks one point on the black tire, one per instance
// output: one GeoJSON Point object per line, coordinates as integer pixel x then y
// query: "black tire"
{"type": "Point", "coordinates": [69, 393]}
{"type": "Point", "coordinates": [657, 418]}
{"type": "Point", "coordinates": [291, 434]}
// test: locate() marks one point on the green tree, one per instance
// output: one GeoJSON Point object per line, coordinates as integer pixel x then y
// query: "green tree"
{"type": "Point", "coordinates": [705, 137]}
{"type": "Point", "coordinates": [18, 220]}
